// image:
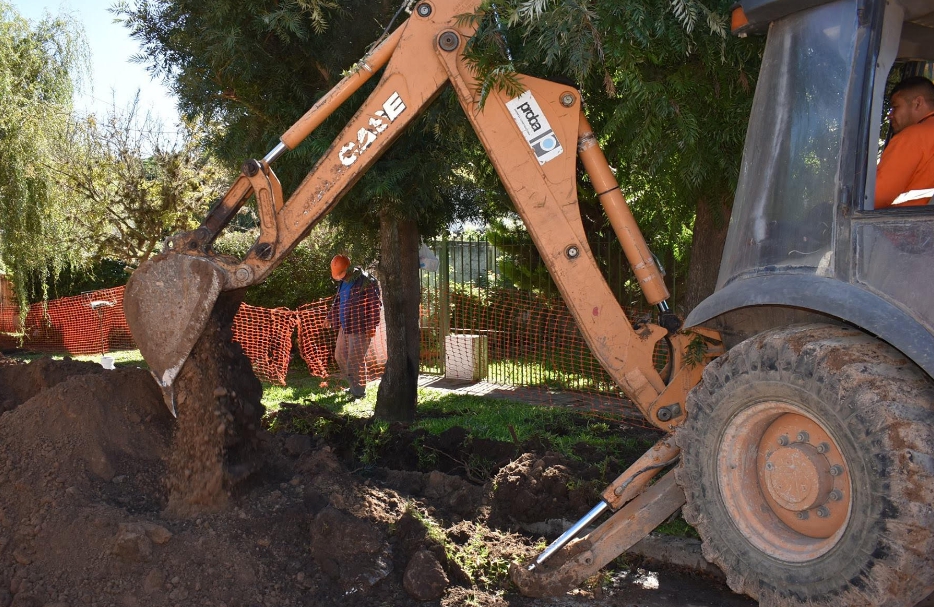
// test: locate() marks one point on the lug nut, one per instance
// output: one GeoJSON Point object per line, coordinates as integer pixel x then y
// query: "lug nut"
{"type": "Point", "coordinates": [823, 448]}
{"type": "Point", "coordinates": [836, 495]}
{"type": "Point", "coordinates": [803, 437]}
{"type": "Point", "coordinates": [803, 515]}
{"type": "Point", "coordinates": [836, 470]}
{"type": "Point", "coordinates": [783, 440]}
{"type": "Point", "coordinates": [823, 511]}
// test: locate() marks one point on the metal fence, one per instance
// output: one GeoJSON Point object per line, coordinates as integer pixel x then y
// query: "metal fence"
{"type": "Point", "coordinates": [497, 287]}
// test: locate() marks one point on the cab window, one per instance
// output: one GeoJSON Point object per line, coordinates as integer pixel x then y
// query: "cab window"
{"type": "Point", "coordinates": [906, 50]}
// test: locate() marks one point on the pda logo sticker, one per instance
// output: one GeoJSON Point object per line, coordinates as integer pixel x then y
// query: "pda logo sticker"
{"type": "Point", "coordinates": [534, 126]}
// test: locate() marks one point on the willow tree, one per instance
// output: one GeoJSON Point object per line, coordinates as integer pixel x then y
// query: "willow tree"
{"type": "Point", "coordinates": [39, 63]}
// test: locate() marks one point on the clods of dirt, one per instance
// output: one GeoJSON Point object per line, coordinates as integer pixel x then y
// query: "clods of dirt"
{"type": "Point", "coordinates": [217, 438]}
{"type": "Point", "coordinates": [87, 516]}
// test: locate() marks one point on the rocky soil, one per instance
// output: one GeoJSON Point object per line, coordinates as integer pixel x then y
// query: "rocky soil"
{"type": "Point", "coordinates": [97, 506]}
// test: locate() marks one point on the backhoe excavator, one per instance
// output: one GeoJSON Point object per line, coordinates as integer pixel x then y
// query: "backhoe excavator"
{"type": "Point", "coordinates": [800, 440]}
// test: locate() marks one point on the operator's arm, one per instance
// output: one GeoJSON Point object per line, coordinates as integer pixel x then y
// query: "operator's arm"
{"type": "Point", "coordinates": [899, 163]}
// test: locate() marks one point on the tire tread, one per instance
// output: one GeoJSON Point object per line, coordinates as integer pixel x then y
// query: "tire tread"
{"type": "Point", "coordinates": [885, 403]}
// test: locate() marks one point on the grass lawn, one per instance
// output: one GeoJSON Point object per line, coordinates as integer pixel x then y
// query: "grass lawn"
{"type": "Point", "coordinates": [438, 410]}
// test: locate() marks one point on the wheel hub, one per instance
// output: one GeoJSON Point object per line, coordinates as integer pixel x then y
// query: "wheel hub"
{"type": "Point", "coordinates": [797, 477]}
{"type": "Point", "coordinates": [802, 476]}
{"type": "Point", "coordinates": [784, 480]}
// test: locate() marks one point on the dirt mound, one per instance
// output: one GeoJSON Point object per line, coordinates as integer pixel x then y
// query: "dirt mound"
{"type": "Point", "coordinates": [19, 382]}
{"type": "Point", "coordinates": [85, 517]}
{"type": "Point", "coordinates": [537, 488]}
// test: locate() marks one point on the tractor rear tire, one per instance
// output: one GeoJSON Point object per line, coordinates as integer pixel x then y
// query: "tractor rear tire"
{"type": "Point", "coordinates": [808, 469]}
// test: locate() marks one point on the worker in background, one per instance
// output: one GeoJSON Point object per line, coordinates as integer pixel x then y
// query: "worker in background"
{"type": "Point", "coordinates": [905, 175]}
{"type": "Point", "coordinates": [355, 312]}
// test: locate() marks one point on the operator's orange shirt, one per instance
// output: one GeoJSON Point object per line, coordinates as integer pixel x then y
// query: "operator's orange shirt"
{"type": "Point", "coordinates": [907, 164]}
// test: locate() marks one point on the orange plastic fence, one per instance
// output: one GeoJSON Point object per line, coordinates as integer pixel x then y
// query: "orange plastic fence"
{"type": "Point", "coordinates": [92, 323]}
{"type": "Point", "coordinates": [317, 341]}
{"type": "Point", "coordinates": [499, 341]}
{"type": "Point", "coordinates": [266, 338]}
{"type": "Point", "coordinates": [516, 343]}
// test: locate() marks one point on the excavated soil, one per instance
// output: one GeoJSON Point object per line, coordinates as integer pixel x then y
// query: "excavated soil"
{"type": "Point", "coordinates": [106, 500]}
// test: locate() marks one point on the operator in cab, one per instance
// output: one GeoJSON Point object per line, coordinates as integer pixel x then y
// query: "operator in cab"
{"type": "Point", "coordinates": [905, 175]}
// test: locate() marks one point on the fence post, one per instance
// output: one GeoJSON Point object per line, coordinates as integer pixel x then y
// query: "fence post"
{"type": "Point", "coordinates": [444, 300]}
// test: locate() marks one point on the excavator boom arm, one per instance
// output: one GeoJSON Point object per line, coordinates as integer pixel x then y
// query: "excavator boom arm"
{"type": "Point", "coordinates": [534, 141]}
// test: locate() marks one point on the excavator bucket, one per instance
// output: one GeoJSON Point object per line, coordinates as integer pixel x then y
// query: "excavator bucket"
{"type": "Point", "coordinates": [167, 303]}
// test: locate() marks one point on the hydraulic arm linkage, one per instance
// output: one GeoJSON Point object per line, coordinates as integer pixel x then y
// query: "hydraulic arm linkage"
{"type": "Point", "coordinates": [531, 140]}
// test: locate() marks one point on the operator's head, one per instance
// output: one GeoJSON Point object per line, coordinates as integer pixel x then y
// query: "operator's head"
{"type": "Point", "coordinates": [339, 265]}
{"type": "Point", "coordinates": [912, 100]}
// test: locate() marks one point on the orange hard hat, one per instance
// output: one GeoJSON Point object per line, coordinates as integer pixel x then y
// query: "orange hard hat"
{"type": "Point", "coordinates": [339, 265]}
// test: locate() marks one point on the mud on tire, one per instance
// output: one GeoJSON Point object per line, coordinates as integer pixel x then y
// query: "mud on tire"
{"type": "Point", "coordinates": [863, 408]}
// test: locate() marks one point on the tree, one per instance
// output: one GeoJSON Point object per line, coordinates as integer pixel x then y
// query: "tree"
{"type": "Point", "coordinates": [39, 65]}
{"type": "Point", "coordinates": [667, 91]}
{"type": "Point", "coordinates": [417, 190]}
{"type": "Point", "coordinates": [256, 68]}
{"type": "Point", "coordinates": [129, 186]}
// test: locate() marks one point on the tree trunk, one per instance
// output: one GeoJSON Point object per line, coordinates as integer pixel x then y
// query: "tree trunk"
{"type": "Point", "coordinates": [398, 274]}
{"type": "Point", "coordinates": [710, 228]}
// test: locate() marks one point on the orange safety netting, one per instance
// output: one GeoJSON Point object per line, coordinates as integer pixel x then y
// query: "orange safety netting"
{"type": "Point", "coordinates": [92, 323]}
{"type": "Point", "coordinates": [506, 337]}
{"type": "Point", "coordinates": [495, 340]}
{"type": "Point", "coordinates": [266, 338]}
{"type": "Point", "coordinates": [317, 341]}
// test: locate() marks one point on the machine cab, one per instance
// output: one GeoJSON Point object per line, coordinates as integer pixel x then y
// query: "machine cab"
{"type": "Point", "coordinates": [805, 241]}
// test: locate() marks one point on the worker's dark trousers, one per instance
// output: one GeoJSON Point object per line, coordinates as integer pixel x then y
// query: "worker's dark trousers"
{"type": "Point", "coordinates": [350, 354]}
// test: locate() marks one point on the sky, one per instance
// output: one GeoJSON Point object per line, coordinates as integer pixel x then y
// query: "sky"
{"type": "Point", "coordinates": [114, 79]}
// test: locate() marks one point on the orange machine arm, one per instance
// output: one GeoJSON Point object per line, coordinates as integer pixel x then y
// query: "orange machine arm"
{"type": "Point", "coordinates": [531, 140]}
{"type": "Point", "coordinates": [534, 141]}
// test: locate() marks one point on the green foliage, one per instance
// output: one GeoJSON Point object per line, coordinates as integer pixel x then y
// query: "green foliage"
{"type": "Point", "coordinates": [482, 417]}
{"type": "Point", "coordinates": [39, 64]}
{"type": "Point", "coordinates": [427, 457]}
{"type": "Point", "coordinates": [257, 69]}
{"type": "Point", "coordinates": [521, 266]}
{"type": "Point", "coordinates": [433, 529]}
{"type": "Point", "coordinates": [304, 275]}
{"type": "Point", "coordinates": [75, 280]}
{"type": "Point", "coordinates": [254, 68]}
{"type": "Point", "coordinates": [375, 435]}
{"type": "Point", "coordinates": [483, 568]}
{"type": "Point", "coordinates": [302, 388]}
{"type": "Point", "coordinates": [129, 187]}
{"type": "Point", "coordinates": [666, 90]}
{"type": "Point", "coordinates": [696, 350]}
{"type": "Point", "coordinates": [678, 527]}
